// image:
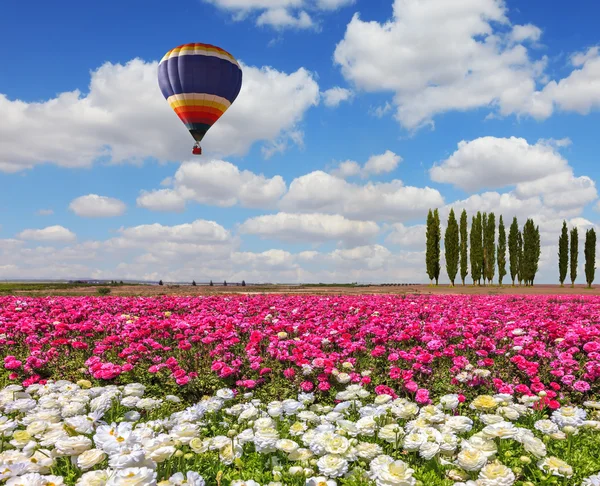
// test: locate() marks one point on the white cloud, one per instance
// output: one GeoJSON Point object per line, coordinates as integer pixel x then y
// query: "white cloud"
{"type": "Point", "coordinates": [313, 227]}
{"type": "Point", "coordinates": [280, 14]}
{"type": "Point", "coordinates": [55, 233]}
{"type": "Point", "coordinates": [490, 162]}
{"type": "Point", "coordinates": [197, 232]}
{"type": "Point", "coordinates": [437, 56]}
{"type": "Point", "coordinates": [408, 237]}
{"type": "Point", "coordinates": [124, 117]}
{"type": "Point", "coordinates": [377, 164]}
{"type": "Point", "coordinates": [280, 18]}
{"type": "Point", "coordinates": [534, 170]}
{"type": "Point", "coordinates": [334, 96]}
{"type": "Point", "coordinates": [217, 183]}
{"type": "Point", "coordinates": [166, 200]}
{"type": "Point", "coordinates": [95, 206]}
{"type": "Point", "coordinates": [45, 212]}
{"type": "Point", "coordinates": [390, 201]}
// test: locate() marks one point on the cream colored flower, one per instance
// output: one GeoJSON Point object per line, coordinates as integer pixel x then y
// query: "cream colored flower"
{"type": "Point", "coordinates": [484, 403]}
{"type": "Point", "coordinates": [332, 466]}
{"type": "Point", "coordinates": [556, 466]}
{"type": "Point", "coordinates": [471, 459]}
{"type": "Point", "coordinates": [496, 474]}
{"type": "Point", "coordinates": [88, 459]}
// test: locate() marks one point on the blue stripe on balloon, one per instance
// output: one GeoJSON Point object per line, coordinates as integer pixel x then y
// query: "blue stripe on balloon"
{"type": "Point", "coordinates": [200, 74]}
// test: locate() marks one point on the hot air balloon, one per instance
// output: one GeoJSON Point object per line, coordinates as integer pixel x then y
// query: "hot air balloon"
{"type": "Point", "coordinates": [200, 82]}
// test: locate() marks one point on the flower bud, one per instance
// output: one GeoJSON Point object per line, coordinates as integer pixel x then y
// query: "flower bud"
{"type": "Point", "coordinates": [525, 460]}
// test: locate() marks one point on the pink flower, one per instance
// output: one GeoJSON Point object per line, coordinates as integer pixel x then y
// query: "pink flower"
{"type": "Point", "coordinates": [422, 396]}
{"type": "Point", "coordinates": [324, 386]}
{"type": "Point", "coordinates": [411, 386]}
{"type": "Point", "coordinates": [306, 386]}
{"type": "Point", "coordinates": [581, 386]}
{"type": "Point", "coordinates": [385, 390]}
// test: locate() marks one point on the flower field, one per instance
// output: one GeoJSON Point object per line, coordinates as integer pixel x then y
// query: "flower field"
{"type": "Point", "coordinates": [300, 390]}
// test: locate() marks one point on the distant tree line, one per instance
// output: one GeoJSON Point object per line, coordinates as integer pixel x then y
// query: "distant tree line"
{"type": "Point", "coordinates": [482, 253]}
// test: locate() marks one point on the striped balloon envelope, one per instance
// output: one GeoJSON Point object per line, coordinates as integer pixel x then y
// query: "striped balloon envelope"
{"type": "Point", "coordinates": [200, 82]}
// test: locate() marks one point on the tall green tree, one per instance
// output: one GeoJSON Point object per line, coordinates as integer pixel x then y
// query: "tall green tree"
{"type": "Point", "coordinates": [590, 256]}
{"type": "Point", "coordinates": [451, 247]}
{"type": "Point", "coordinates": [501, 251]}
{"type": "Point", "coordinates": [484, 247]}
{"type": "Point", "coordinates": [430, 246]}
{"type": "Point", "coordinates": [574, 252]}
{"type": "Point", "coordinates": [513, 249]}
{"type": "Point", "coordinates": [521, 260]}
{"type": "Point", "coordinates": [531, 251]}
{"type": "Point", "coordinates": [438, 238]}
{"type": "Point", "coordinates": [474, 250]}
{"type": "Point", "coordinates": [490, 245]}
{"type": "Point", "coordinates": [563, 254]}
{"type": "Point", "coordinates": [463, 246]}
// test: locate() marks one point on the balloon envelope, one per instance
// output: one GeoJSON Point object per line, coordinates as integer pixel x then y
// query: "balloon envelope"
{"type": "Point", "coordinates": [200, 82]}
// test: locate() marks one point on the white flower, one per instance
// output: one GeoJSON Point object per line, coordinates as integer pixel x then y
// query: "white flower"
{"type": "Point", "coordinates": [225, 394]}
{"type": "Point", "coordinates": [573, 416]}
{"type": "Point", "coordinates": [286, 445]}
{"type": "Point", "coordinates": [555, 466]}
{"type": "Point", "coordinates": [429, 450]}
{"type": "Point", "coordinates": [133, 476]}
{"type": "Point", "coordinates": [414, 440]}
{"type": "Point", "coordinates": [534, 446]}
{"type": "Point", "coordinates": [391, 433]}
{"type": "Point", "coordinates": [242, 482]}
{"type": "Point", "coordinates": [190, 479]}
{"type": "Point", "coordinates": [265, 440]}
{"type": "Point", "coordinates": [35, 479]}
{"type": "Point", "coordinates": [332, 466]}
{"type": "Point", "coordinates": [546, 426]}
{"type": "Point", "coordinates": [591, 480]}
{"type": "Point", "coordinates": [230, 452]}
{"type": "Point", "coordinates": [90, 458]}
{"type": "Point", "coordinates": [320, 481]}
{"type": "Point", "coordinates": [93, 478]}
{"type": "Point", "coordinates": [471, 459]}
{"type": "Point", "coordinates": [394, 473]}
{"type": "Point", "coordinates": [459, 424]}
{"type": "Point", "coordinates": [72, 446]}
{"type": "Point", "coordinates": [366, 426]}
{"type": "Point", "coordinates": [501, 430]}
{"type": "Point", "coordinates": [450, 402]}
{"type": "Point", "coordinates": [496, 474]}
{"type": "Point", "coordinates": [368, 450]}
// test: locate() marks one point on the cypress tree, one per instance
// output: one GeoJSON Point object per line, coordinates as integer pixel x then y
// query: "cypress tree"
{"type": "Point", "coordinates": [520, 259]}
{"type": "Point", "coordinates": [490, 248]}
{"type": "Point", "coordinates": [574, 252]}
{"type": "Point", "coordinates": [563, 254]}
{"type": "Point", "coordinates": [430, 248]}
{"type": "Point", "coordinates": [438, 237]}
{"type": "Point", "coordinates": [484, 247]}
{"type": "Point", "coordinates": [513, 249]}
{"type": "Point", "coordinates": [590, 256]}
{"type": "Point", "coordinates": [501, 251]}
{"type": "Point", "coordinates": [479, 249]}
{"type": "Point", "coordinates": [473, 251]}
{"type": "Point", "coordinates": [528, 250]}
{"type": "Point", "coordinates": [451, 247]}
{"type": "Point", "coordinates": [463, 246]}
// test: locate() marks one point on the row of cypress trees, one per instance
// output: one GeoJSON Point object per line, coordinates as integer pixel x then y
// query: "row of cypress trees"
{"type": "Point", "coordinates": [568, 255]}
{"type": "Point", "coordinates": [483, 253]}
{"type": "Point", "coordinates": [481, 250]}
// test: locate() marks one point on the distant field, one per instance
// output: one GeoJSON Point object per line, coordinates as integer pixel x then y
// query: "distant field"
{"type": "Point", "coordinates": [44, 289]}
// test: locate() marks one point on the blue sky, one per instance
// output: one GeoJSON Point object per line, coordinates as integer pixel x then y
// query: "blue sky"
{"type": "Point", "coordinates": [101, 182]}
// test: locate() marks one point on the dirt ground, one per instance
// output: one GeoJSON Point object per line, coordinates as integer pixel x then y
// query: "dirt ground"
{"type": "Point", "coordinates": [188, 290]}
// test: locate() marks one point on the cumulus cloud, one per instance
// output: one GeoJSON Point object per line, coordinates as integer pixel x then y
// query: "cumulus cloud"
{"type": "Point", "coordinates": [280, 14]}
{"type": "Point", "coordinates": [534, 170]}
{"type": "Point", "coordinates": [54, 233]}
{"type": "Point", "coordinates": [334, 96]}
{"type": "Point", "coordinates": [389, 201]}
{"type": "Point", "coordinates": [437, 56]}
{"type": "Point", "coordinates": [95, 206]}
{"type": "Point", "coordinates": [313, 227]}
{"type": "Point", "coordinates": [408, 237]}
{"type": "Point", "coordinates": [124, 117]}
{"type": "Point", "coordinates": [377, 164]}
{"type": "Point", "coordinates": [217, 183]}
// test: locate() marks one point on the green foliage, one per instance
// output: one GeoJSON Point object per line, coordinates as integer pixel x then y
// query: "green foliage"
{"type": "Point", "coordinates": [501, 251]}
{"type": "Point", "coordinates": [531, 251]}
{"type": "Point", "coordinates": [475, 248]}
{"type": "Point", "coordinates": [438, 237]}
{"type": "Point", "coordinates": [463, 247]}
{"type": "Point", "coordinates": [430, 246]}
{"type": "Point", "coordinates": [103, 291]}
{"type": "Point", "coordinates": [451, 246]}
{"type": "Point", "coordinates": [520, 259]}
{"type": "Point", "coordinates": [484, 249]}
{"type": "Point", "coordinates": [563, 253]}
{"type": "Point", "coordinates": [513, 249]}
{"type": "Point", "coordinates": [490, 248]}
{"type": "Point", "coordinates": [574, 252]}
{"type": "Point", "coordinates": [590, 256]}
